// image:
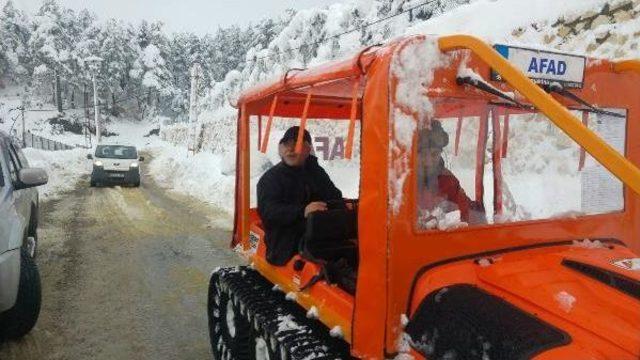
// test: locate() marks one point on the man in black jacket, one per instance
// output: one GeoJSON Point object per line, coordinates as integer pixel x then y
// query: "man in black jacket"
{"type": "Point", "coordinates": [288, 193]}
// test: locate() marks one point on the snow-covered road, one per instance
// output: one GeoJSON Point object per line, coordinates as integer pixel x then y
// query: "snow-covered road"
{"type": "Point", "coordinates": [124, 274]}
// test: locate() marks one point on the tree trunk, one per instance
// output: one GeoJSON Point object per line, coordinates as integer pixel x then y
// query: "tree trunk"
{"type": "Point", "coordinates": [85, 101]}
{"type": "Point", "coordinates": [140, 102]}
{"type": "Point", "coordinates": [73, 97]}
{"type": "Point", "coordinates": [58, 93]}
{"type": "Point", "coordinates": [64, 91]}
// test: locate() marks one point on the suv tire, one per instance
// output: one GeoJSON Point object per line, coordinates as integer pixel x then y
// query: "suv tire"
{"type": "Point", "coordinates": [22, 317]}
{"type": "Point", "coordinates": [32, 236]}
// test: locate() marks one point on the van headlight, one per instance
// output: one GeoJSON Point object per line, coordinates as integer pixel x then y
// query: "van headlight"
{"type": "Point", "coordinates": [134, 164]}
{"type": "Point", "coordinates": [97, 163]}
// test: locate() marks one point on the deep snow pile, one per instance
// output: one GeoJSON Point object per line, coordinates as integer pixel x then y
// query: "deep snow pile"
{"type": "Point", "coordinates": [65, 168]}
{"type": "Point", "coordinates": [600, 28]}
{"type": "Point", "coordinates": [200, 175]}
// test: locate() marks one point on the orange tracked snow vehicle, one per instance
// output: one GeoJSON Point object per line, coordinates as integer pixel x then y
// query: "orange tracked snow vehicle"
{"type": "Point", "coordinates": [543, 148]}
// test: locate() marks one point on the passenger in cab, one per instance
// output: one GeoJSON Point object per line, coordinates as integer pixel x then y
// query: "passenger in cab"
{"type": "Point", "coordinates": [438, 186]}
{"type": "Point", "coordinates": [288, 193]}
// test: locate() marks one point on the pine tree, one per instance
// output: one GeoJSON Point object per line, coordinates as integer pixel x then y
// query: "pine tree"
{"type": "Point", "coordinates": [15, 58]}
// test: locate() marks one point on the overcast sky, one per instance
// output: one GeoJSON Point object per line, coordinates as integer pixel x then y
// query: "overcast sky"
{"type": "Point", "coordinates": [198, 16]}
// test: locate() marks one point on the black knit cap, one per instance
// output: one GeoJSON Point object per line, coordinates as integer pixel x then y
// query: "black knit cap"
{"type": "Point", "coordinates": [292, 134]}
{"type": "Point", "coordinates": [434, 138]}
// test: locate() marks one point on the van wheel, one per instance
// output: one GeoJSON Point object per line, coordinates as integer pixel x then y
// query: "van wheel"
{"type": "Point", "coordinates": [22, 317]}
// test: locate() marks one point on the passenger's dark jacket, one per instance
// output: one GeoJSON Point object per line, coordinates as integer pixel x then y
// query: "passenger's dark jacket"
{"type": "Point", "coordinates": [283, 194]}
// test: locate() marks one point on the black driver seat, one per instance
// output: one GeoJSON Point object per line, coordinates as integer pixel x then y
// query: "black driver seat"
{"type": "Point", "coordinates": [331, 240]}
{"type": "Point", "coordinates": [330, 235]}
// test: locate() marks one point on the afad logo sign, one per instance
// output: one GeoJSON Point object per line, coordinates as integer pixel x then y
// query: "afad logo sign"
{"type": "Point", "coordinates": [544, 67]}
{"type": "Point", "coordinates": [547, 66]}
{"type": "Point", "coordinates": [329, 148]}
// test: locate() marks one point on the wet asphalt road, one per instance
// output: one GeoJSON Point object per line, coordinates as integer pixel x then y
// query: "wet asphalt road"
{"type": "Point", "coordinates": [124, 274]}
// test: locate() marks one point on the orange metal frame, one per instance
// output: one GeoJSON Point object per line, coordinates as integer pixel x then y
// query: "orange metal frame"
{"type": "Point", "coordinates": [392, 252]}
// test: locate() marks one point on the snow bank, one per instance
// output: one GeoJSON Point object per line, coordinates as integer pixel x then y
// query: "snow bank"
{"type": "Point", "coordinates": [495, 20]}
{"type": "Point", "coordinates": [198, 175]}
{"type": "Point", "coordinates": [65, 168]}
{"type": "Point", "coordinates": [601, 28]}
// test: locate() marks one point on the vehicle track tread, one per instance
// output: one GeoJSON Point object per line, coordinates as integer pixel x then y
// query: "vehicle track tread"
{"type": "Point", "coordinates": [269, 313]}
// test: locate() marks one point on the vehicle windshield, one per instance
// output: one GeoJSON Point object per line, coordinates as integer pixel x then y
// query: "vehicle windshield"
{"type": "Point", "coordinates": [509, 165]}
{"type": "Point", "coordinates": [116, 152]}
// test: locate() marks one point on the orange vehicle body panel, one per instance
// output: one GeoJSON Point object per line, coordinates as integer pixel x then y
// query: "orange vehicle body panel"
{"type": "Point", "coordinates": [532, 281]}
{"type": "Point", "coordinates": [333, 305]}
{"type": "Point", "coordinates": [399, 263]}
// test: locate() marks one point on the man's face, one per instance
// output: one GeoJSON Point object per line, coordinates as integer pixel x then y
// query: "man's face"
{"type": "Point", "coordinates": [287, 151]}
{"type": "Point", "coordinates": [431, 161]}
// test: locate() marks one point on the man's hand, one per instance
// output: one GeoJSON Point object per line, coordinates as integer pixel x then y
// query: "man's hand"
{"type": "Point", "coordinates": [314, 206]}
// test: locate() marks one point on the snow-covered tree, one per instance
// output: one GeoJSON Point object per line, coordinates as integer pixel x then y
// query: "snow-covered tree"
{"type": "Point", "coordinates": [115, 48]}
{"type": "Point", "coordinates": [15, 58]}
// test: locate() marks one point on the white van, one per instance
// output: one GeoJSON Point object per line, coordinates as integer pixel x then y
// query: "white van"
{"type": "Point", "coordinates": [115, 164]}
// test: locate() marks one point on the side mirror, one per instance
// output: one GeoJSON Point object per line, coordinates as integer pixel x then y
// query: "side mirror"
{"type": "Point", "coordinates": [31, 177]}
{"type": "Point", "coordinates": [89, 156]}
{"type": "Point", "coordinates": [141, 158]}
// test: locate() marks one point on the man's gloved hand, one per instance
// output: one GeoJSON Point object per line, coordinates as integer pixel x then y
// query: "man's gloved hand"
{"type": "Point", "coordinates": [314, 206]}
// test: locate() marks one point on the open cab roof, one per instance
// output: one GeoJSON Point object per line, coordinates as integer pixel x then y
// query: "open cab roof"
{"type": "Point", "coordinates": [395, 91]}
{"type": "Point", "coordinates": [336, 90]}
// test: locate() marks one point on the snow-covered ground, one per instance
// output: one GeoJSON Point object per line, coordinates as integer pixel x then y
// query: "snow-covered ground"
{"type": "Point", "coordinates": [64, 168]}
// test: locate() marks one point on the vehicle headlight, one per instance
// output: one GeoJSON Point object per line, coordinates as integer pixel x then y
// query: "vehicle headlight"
{"type": "Point", "coordinates": [97, 163]}
{"type": "Point", "coordinates": [134, 165]}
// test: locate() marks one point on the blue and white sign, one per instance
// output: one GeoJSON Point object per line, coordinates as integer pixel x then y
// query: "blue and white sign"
{"type": "Point", "coordinates": [545, 67]}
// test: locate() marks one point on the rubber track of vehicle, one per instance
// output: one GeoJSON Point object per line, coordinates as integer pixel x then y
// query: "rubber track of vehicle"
{"type": "Point", "coordinates": [268, 309]}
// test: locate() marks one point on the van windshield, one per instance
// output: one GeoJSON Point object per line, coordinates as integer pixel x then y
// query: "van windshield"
{"type": "Point", "coordinates": [116, 152]}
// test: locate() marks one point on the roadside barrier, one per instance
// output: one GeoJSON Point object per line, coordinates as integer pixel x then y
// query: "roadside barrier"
{"type": "Point", "coordinates": [38, 142]}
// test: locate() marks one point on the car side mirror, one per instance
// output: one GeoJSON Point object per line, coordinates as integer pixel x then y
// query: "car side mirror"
{"type": "Point", "coordinates": [141, 158]}
{"type": "Point", "coordinates": [89, 156]}
{"type": "Point", "coordinates": [31, 177]}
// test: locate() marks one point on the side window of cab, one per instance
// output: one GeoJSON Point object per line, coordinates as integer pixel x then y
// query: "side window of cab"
{"type": "Point", "coordinates": [19, 156]}
{"type": "Point", "coordinates": [14, 163]}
